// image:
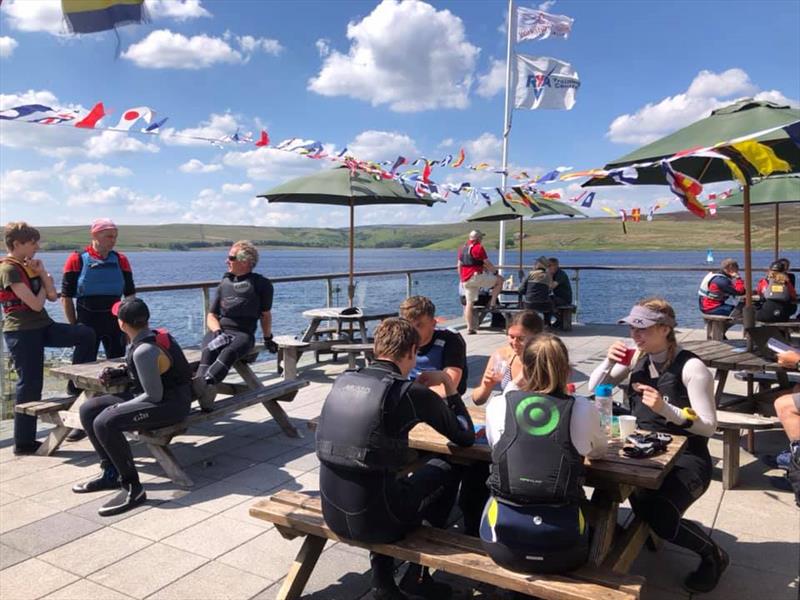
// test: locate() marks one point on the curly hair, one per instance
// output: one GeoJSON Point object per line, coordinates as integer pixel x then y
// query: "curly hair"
{"type": "Point", "coordinates": [246, 251]}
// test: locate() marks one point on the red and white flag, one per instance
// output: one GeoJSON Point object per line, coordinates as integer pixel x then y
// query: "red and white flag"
{"type": "Point", "coordinates": [130, 116]}
{"type": "Point", "coordinates": [90, 120]}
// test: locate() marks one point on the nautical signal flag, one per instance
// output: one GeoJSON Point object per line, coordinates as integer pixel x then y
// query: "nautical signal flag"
{"type": "Point", "coordinates": [460, 160]}
{"type": "Point", "coordinates": [130, 116]}
{"type": "Point", "coordinates": [93, 16]}
{"type": "Point", "coordinates": [23, 111]}
{"type": "Point", "coordinates": [685, 188]}
{"type": "Point", "coordinates": [636, 215]}
{"type": "Point", "coordinates": [90, 120]}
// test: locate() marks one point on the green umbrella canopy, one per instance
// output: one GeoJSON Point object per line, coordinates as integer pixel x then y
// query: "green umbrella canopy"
{"type": "Point", "coordinates": [772, 190]}
{"type": "Point", "coordinates": [726, 123]}
{"type": "Point", "coordinates": [500, 212]}
{"type": "Point", "coordinates": [338, 187]}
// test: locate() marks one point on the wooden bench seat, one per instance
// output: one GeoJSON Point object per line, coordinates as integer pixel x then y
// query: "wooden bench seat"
{"type": "Point", "coordinates": [353, 351]}
{"type": "Point", "coordinates": [289, 350]}
{"type": "Point", "coordinates": [295, 514]}
{"type": "Point", "coordinates": [45, 405]}
{"type": "Point", "coordinates": [717, 325]}
{"type": "Point", "coordinates": [732, 424]}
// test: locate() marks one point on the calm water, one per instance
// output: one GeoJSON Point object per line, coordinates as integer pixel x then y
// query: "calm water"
{"type": "Point", "coordinates": [604, 296]}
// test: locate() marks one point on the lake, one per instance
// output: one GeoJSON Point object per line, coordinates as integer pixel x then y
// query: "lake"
{"type": "Point", "coordinates": [604, 295]}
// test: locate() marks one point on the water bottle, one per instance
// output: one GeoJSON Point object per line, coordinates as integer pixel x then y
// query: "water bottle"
{"type": "Point", "coordinates": [603, 402]}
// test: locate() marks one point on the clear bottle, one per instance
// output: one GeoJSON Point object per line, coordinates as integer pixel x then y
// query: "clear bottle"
{"type": "Point", "coordinates": [604, 403]}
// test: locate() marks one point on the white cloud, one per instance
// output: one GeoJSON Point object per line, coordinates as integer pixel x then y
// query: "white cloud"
{"type": "Point", "coordinates": [777, 97]}
{"type": "Point", "coordinates": [237, 188]}
{"type": "Point", "coordinates": [99, 196]}
{"type": "Point", "coordinates": [707, 92]}
{"type": "Point", "coordinates": [21, 186]}
{"type": "Point", "coordinates": [7, 46]}
{"type": "Point", "coordinates": [485, 148]}
{"type": "Point", "coordinates": [179, 10]}
{"type": "Point", "coordinates": [111, 142]}
{"type": "Point", "coordinates": [41, 15]}
{"type": "Point", "coordinates": [216, 127]}
{"type": "Point", "coordinates": [382, 145]}
{"type": "Point", "coordinates": [30, 97]}
{"type": "Point", "coordinates": [323, 46]}
{"type": "Point", "coordinates": [271, 164]}
{"type": "Point", "coordinates": [446, 143]}
{"type": "Point", "coordinates": [493, 81]}
{"type": "Point", "coordinates": [164, 49]}
{"type": "Point", "coordinates": [547, 5]}
{"type": "Point", "coordinates": [150, 205]}
{"type": "Point", "coordinates": [197, 166]}
{"type": "Point", "coordinates": [407, 55]}
{"type": "Point", "coordinates": [84, 176]}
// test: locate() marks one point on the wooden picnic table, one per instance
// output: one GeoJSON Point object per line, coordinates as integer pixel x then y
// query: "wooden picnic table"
{"type": "Point", "coordinates": [344, 335]}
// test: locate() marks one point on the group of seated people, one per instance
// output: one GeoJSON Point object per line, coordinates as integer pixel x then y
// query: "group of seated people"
{"type": "Point", "coordinates": [776, 292]}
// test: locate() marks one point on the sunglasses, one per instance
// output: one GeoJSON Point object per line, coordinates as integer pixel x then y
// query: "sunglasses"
{"type": "Point", "coordinates": [233, 258]}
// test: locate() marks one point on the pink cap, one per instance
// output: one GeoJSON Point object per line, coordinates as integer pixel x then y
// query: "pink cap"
{"type": "Point", "coordinates": [102, 225]}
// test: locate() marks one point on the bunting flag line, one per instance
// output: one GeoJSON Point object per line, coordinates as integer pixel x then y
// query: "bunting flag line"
{"type": "Point", "coordinates": [263, 139]}
{"type": "Point", "coordinates": [587, 202]}
{"type": "Point", "coordinates": [24, 111]}
{"type": "Point", "coordinates": [533, 24]}
{"type": "Point", "coordinates": [90, 120]}
{"type": "Point", "coordinates": [130, 116]}
{"type": "Point", "coordinates": [460, 160]}
{"type": "Point", "coordinates": [685, 188]}
{"type": "Point", "coordinates": [636, 215]}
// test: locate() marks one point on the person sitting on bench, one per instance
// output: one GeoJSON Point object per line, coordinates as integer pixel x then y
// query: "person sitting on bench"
{"type": "Point", "coordinates": [717, 286]}
{"type": "Point", "coordinates": [561, 294]}
{"type": "Point", "coordinates": [671, 391]}
{"type": "Point", "coordinates": [533, 521]}
{"type": "Point", "coordinates": [779, 298]}
{"type": "Point", "coordinates": [787, 407]}
{"type": "Point", "coordinates": [161, 379]}
{"type": "Point", "coordinates": [362, 445]}
{"type": "Point", "coordinates": [535, 290]}
{"type": "Point", "coordinates": [243, 299]}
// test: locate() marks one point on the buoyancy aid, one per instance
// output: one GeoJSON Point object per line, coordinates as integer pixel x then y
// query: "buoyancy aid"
{"type": "Point", "coordinates": [705, 284]}
{"type": "Point", "coordinates": [8, 299]}
{"type": "Point", "coordinates": [351, 431]}
{"type": "Point", "coordinates": [777, 291]}
{"type": "Point", "coordinates": [174, 370]}
{"type": "Point", "coordinates": [239, 299]}
{"type": "Point", "coordinates": [100, 276]}
{"type": "Point", "coordinates": [467, 260]}
{"type": "Point", "coordinates": [534, 461]}
{"type": "Point", "coordinates": [433, 360]}
{"type": "Point", "coordinates": [670, 386]}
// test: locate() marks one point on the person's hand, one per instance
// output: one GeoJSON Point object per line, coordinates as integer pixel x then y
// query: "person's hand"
{"type": "Point", "coordinates": [35, 265]}
{"type": "Point", "coordinates": [651, 397]}
{"type": "Point", "coordinates": [491, 379]}
{"type": "Point", "coordinates": [617, 351]}
{"type": "Point", "coordinates": [270, 345]}
{"type": "Point", "coordinates": [788, 359]}
{"type": "Point", "coordinates": [433, 378]}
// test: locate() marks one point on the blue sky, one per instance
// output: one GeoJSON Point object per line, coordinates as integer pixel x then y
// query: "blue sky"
{"type": "Point", "coordinates": [389, 78]}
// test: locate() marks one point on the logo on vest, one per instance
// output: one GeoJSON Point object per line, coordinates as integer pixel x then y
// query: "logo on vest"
{"type": "Point", "coordinates": [356, 390]}
{"type": "Point", "coordinates": [537, 415]}
{"type": "Point", "coordinates": [241, 287]}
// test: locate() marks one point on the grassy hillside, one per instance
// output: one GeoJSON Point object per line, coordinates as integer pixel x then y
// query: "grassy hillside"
{"type": "Point", "coordinates": [667, 232]}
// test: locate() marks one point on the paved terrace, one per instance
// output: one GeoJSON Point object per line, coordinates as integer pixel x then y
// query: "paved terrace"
{"type": "Point", "coordinates": [202, 544]}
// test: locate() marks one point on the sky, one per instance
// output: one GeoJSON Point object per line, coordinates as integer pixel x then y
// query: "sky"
{"type": "Point", "coordinates": [383, 79]}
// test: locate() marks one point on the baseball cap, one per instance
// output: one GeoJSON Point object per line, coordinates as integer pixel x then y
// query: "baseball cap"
{"type": "Point", "coordinates": [642, 317]}
{"type": "Point", "coordinates": [475, 234]}
{"type": "Point", "coordinates": [132, 311]}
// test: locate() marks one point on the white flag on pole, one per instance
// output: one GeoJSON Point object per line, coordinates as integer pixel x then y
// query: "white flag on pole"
{"type": "Point", "coordinates": [543, 82]}
{"type": "Point", "coordinates": [533, 24]}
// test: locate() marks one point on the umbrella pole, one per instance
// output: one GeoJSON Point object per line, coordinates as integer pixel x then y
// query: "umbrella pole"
{"type": "Point", "coordinates": [777, 233]}
{"type": "Point", "coordinates": [749, 316]}
{"type": "Point", "coordinates": [521, 237]}
{"type": "Point", "coordinates": [351, 288]}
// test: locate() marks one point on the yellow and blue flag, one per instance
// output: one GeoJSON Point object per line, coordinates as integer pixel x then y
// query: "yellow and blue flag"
{"type": "Point", "coordinates": [92, 16]}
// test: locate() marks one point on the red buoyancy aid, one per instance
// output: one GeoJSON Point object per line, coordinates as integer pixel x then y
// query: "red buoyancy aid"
{"type": "Point", "coordinates": [8, 299]}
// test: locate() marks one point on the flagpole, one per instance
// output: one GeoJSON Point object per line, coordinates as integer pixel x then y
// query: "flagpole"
{"type": "Point", "coordinates": [506, 127]}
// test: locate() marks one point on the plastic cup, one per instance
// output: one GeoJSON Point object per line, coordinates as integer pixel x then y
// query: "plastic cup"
{"type": "Point", "coordinates": [499, 366]}
{"type": "Point", "coordinates": [630, 350]}
{"type": "Point", "coordinates": [627, 426]}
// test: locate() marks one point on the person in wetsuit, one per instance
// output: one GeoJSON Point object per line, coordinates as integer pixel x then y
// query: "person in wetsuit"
{"type": "Point", "coordinates": [162, 391]}
{"type": "Point", "coordinates": [670, 390]}
{"type": "Point", "coordinates": [539, 435]}
{"type": "Point", "coordinates": [243, 300]}
{"type": "Point", "coordinates": [362, 444]}
{"type": "Point", "coordinates": [535, 290]}
{"type": "Point", "coordinates": [778, 294]}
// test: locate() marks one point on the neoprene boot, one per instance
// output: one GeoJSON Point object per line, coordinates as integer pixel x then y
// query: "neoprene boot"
{"type": "Point", "coordinates": [793, 476]}
{"type": "Point", "coordinates": [707, 575]}
{"type": "Point", "coordinates": [108, 479]}
{"type": "Point", "coordinates": [418, 581]}
{"type": "Point", "coordinates": [130, 496]}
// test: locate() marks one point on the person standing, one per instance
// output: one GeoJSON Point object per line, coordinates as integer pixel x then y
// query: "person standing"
{"type": "Point", "coordinates": [243, 300]}
{"type": "Point", "coordinates": [25, 286]}
{"type": "Point", "coordinates": [94, 280]}
{"type": "Point", "coordinates": [561, 294]}
{"type": "Point", "coordinates": [476, 271]}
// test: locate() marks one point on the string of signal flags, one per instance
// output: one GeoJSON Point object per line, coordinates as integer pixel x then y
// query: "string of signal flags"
{"type": "Point", "coordinates": [526, 189]}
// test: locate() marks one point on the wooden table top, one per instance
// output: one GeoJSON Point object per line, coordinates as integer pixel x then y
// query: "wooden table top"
{"type": "Point", "coordinates": [614, 467]}
{"type": "Point", "coordinates": [729, 355]}
{"type": "Point", "coordinates": [336, 313]}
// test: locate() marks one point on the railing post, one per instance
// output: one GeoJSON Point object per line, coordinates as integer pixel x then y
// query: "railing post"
{"type": "Point", "coordinates": [409, 291]}
{"type": "Point", "coordinates": [577, 280]}
{"type": "Point", "coordinates": [206, 307]}
{"type": "Point", "coordinates": [328, 292]}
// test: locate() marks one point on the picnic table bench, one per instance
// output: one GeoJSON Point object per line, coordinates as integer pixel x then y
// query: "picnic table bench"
{"type": "Point", "coordinates": [296, 514]}
{"type": "Point", "coordinates": [717, 325]}
{"type": "Point", "coordinates": [732, 424]}
{"type": "Point", "coordinates": [63, 412]}
{"type": "Point", "coordinates": [508, 308]}
{"type": "Point", "coordinates": [353, 351]}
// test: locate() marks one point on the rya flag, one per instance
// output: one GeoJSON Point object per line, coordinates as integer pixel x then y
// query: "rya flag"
{"type": "Point", "coordinates": [533, 24]}
{"type": "Point", "coordinates": [544, 82]}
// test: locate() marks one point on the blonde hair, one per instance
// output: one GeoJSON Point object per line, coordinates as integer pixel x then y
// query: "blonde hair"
{"type": "Point", "coordinates": [545, 365]}
{"type": "Point", "coordinates": [21, 232]}
{"type": "Point", "coordinates": [665, 308]}
{"type": "Point", "coordinates": [245, 250]}
{"type": "Point", "coordinates": [777, 276]}
{"type": "Point", "coordinates": [415, 307]}
{"type": "Point", "coordinates": [395, 338]}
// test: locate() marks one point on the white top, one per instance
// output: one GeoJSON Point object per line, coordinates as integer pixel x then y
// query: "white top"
{"type": "Point", "coordinates": [695, 377]}
{"type": "Point", "coordinates": [584, 427]}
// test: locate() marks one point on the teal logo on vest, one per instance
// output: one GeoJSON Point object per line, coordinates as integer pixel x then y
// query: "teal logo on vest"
{"type": "Point", "coordinates": [537, 415]}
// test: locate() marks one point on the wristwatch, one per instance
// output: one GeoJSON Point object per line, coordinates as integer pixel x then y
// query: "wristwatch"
{"type": "Point", "coordinates": [689, 417]}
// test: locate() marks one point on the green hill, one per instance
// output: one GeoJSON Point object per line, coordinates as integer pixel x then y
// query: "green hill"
{"type": "Point", "coordinates": [675, 231]}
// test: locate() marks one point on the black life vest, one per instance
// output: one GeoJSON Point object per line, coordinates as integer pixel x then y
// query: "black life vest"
{"type": "Point", "coordinates": [537, 291]}
{"type": "Point", "coordinates": [467, 260]}
{"type": "Point", "coordinates": [351, 431]}
{"type": "Point", "coordinates": [777, 291]}
{"type": "Point", "coordinates": [179, 373]}
{"type": "Point", "coordinates": [239, 299]}
{"type": "Point", "coordinates": [534, 461]}
{"type": "Point", "coordinates": [670, 385]}
{"type": "Point", "coordinates": [8, 299]}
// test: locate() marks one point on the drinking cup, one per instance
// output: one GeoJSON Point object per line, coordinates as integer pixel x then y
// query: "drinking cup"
{"type": "Point", "coordinates": [627, 426]}
{"type": "Point", "coordinates": [630, 350]}
{"type": "Point", "coordinates": [499, 366]}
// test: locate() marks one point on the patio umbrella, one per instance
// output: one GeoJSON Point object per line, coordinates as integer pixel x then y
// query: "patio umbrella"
{"type": "Point", "coordinates": [729, 122]}
{"type": "Point", "coordinates": [774, 190]}
{"type": "Point", "coordinates": [340, 187]}
{"type": "Point", "coordinates": [500, 212]}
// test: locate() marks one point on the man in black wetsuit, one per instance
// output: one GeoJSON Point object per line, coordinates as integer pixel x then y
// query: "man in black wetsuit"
{"type": "Point", "coordinates": [161, 380]}
{"type": "Point", "coordinates": [362, 444]}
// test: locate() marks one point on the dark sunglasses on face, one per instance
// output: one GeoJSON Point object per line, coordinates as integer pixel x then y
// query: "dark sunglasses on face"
{"type": "Point", "coordinates": [233, 258]}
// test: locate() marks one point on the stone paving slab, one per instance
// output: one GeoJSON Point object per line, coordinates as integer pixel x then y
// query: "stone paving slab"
{"type": "Point", "coordinates": [50, 532]}
{"type": "Point", "coordinates": [220, 582]}
{"type": "Point", "coordinates": [213, 537]}
{"type": "Point", "coordinates": [170, 518]}
{"type": "Point", "coordinates": [21, 512]}
{"type": "Point", "coordinates": [83, 589]}
{"type": "Point", "coordinates": [32, 579]}
{"type": "Point", "coordinates": [10, 556]}
{"type": "Point", "coordinates": [94, 551]}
